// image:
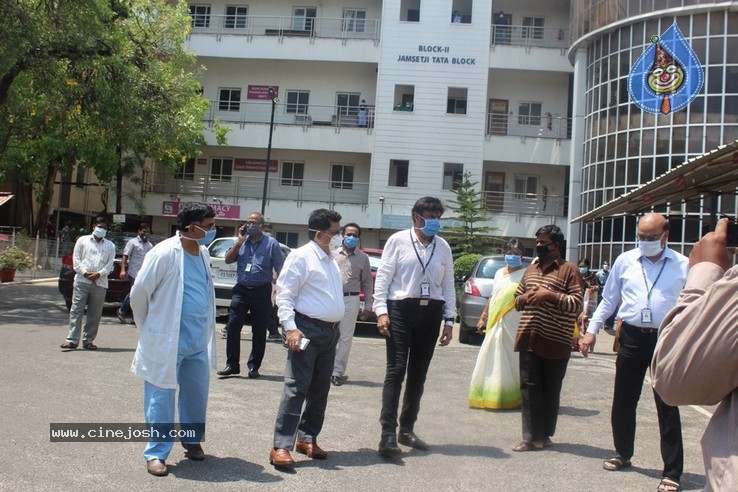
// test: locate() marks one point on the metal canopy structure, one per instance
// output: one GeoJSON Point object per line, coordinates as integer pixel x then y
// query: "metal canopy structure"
{"type": "Point", "coordinates": [712, 174]}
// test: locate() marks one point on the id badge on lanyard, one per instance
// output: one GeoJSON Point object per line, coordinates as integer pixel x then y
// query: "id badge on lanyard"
{"type": "Point", "coordinates": [424, 293]}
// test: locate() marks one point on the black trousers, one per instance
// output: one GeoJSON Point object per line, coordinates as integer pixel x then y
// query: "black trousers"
{"type": "Point", "coordinates": [540, 388]}
{"type": "Point", "coordinates": [634, 358]}
{"type": "Point", "coordinates": [414, 333]}
{"type": "Point", "coordinates": [258, 301]}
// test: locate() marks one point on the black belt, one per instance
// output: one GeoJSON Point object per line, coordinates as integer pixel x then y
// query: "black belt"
{"type": "Point", "coordinates": [642, 330]}
{"type": "Point", "coordinates": [349, 294]}
{"type": "Point", "coordinates": [319, 322]}
{"type": "Point", "coordinates": [418, 302]}
{"type": "Point", "coordinates": [254, 287]}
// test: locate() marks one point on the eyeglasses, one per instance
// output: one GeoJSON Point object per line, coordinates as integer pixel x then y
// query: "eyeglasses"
{"type": "Point", "coordinates": [656, 237]}
{"type": "Point", "coordinates": [253, 222]}
{"type": "Point", "coordinates": [206, 228]}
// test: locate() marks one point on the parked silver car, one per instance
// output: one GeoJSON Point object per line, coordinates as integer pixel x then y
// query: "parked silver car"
{"type": "Point", "coordinates": [477, 289]}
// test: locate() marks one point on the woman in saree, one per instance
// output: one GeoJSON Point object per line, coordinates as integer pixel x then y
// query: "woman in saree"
{"type": "Point", "coordinates": [495, 383]}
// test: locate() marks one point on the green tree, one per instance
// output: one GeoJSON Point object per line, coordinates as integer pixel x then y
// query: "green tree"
{"type": "Point", "coordinates": [99, 84]}
{"type": "Point", "coordinates": [470, 209]}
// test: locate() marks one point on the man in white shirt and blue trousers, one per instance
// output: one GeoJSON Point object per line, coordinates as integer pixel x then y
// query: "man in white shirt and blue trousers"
{"type": "Point", "coordinates": [173, 302]}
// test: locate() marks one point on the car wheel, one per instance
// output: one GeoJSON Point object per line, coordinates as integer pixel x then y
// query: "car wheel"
{"type": "Point", "coordinates": [465, 333]}
{"type": "Point", "coordinates": [68, 302]}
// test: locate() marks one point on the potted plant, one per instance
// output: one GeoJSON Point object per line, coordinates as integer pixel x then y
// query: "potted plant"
{"type": "Point", "coordinates": [11, 260]}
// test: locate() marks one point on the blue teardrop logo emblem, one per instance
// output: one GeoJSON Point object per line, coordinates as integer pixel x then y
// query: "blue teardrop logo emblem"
{"type": "Point", "coordinates": [667, 76]}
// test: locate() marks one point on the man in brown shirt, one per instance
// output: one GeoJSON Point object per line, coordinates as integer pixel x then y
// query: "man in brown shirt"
{"type": "Point", "coordinates": [550, 296]}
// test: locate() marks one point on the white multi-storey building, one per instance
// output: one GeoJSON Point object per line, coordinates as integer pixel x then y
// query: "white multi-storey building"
{"type": "Point", "coordinates": [379, 103]}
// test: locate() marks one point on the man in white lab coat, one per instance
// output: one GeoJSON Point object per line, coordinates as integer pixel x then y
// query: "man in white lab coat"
{"type": "Point", "coordinates": [173, 302]}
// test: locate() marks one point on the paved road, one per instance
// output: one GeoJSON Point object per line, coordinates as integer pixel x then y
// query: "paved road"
{"type": "Point", "coordinates": [471, 449]}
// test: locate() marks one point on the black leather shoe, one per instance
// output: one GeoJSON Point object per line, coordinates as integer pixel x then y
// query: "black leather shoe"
{"type": "Point", "coordinates": [254, 374]}
{"type": "Point", "coordinates": [229, 371]}
{"type": "Point", "coordinates": [388, 447]}
{"type": "Point", "coordinates": [408, 438]}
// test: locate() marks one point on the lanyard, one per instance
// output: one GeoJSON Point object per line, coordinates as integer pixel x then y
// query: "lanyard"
{"type": "Point", "coordinates": [252, 249]}
{"type": "Point", "coordinates": [418, 254]}
{"type": "Point", "coordinates": [643, 270]}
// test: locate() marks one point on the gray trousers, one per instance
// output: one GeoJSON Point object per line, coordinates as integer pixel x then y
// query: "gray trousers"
{"type": "Point", "coordinates": [92, 296]}
{"type": "Point", "coordinates": [307, 379]}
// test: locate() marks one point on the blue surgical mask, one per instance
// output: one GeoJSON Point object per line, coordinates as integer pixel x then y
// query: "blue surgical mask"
{"type": "Point", "coordinates": [99, 232]}
{"type": "Point", "coordinates": [513, 260]}
{"type": "Point", "coordinates": [583, 270]}
{"type": "Point", "coordinates": [431, 228]}
{"type": "Point", "coordinates": [350, 241]}
{"type": "Point", "coordinates": [253, 229]}
{"type": "Point", "coordinates": [203, 241]}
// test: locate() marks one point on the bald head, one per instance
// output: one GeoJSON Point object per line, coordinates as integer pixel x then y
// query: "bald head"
{"type": "Point", "coordinates": [653, 227]}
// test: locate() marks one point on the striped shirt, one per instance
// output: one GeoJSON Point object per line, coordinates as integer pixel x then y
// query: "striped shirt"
{"type": "Point", "coordinates": [547, 328]}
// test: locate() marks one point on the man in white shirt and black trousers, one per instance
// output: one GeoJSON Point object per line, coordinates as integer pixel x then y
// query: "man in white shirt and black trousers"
{"type": "Point", "coordinates": [645, 283]}
{"type": "Point", "coordinates": [310, 307]}
{"type": "Point", "coordinates": [413, 293]}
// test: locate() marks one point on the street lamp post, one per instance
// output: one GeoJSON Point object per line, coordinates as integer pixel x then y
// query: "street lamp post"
{"type": "Point", "coordinates": [274, 99]}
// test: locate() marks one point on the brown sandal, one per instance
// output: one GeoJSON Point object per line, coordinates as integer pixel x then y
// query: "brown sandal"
{"type": "Point", "coordinates": [527, 446]}
{"type": "Point", "coordinates": [616, 463]}
{"type": "Point", "coordinates": [68, 345]}
{"type": "Point", "coordinates": [90, 346]}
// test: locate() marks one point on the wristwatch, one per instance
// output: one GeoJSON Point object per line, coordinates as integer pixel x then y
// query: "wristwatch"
{"type": "Point", "coordinates": [449, 321]}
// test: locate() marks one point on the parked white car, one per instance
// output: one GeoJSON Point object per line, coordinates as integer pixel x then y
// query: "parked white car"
{"type": "Point", "coordinates": [225, 276]}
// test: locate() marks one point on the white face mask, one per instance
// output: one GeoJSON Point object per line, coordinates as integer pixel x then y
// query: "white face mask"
{"type": "Point", "coordinates": [650, 248]}
{"type": "Point", "coordinates": [336, 241]}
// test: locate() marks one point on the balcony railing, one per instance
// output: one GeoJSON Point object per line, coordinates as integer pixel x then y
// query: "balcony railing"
{"type": "Point", "coordinates": [289, 114]}
{"type": "Point", "coordinates": [286, 26]}
{"type": "Point", "coordinates": [530, 36]}
{"type": "Point", "coordinates": [528, 204]}
{"type": "Point", "coordinates": [546, 126]}
{"type": "Point", "coordinates": [234, 188]}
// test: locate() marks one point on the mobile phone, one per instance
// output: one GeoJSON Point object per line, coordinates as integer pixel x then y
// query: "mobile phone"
{"type": "Point", "coordinates": [732, 237]}
{"type": "Point", "coordinates": [304, 343]}
{"type": "Point", "coordinates": [242, 230]}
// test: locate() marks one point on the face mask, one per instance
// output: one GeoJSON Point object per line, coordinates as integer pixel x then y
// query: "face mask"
{"type": "Point", "coordinates": [253, 230]}
{"type": "Point", "coordinates": [350, 241]}
{"type": "Point", "coordinates": [336, 241]}
{"type": "Point", "coordinates": [431, 228]}
{"type": "Point", "coordinates": [542, 251]}
{"type": "Point", "coordinates": [144, 237]}
{"type": "Point", "coordinates": [99, 232]}
{"type": "Point", "coordinates": [203, 241]}
{"type": "Point", "coordinates": [583, 270]}
{"type": "Point", "coordinates": [513, 260]}
{"type": "Point", "coordinates": [650, 248]}
{"type": "Point", "coordinates": [605, 268]}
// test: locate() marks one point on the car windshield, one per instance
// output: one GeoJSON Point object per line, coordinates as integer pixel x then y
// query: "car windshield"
{"type": "Point", "coordinates": [374, 262]}
{"type": "Point", "coordinates": [220, 247]}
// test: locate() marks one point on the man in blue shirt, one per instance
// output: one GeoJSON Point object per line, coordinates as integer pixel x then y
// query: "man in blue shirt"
{"type": "Point", "coordinates": [257, 256]}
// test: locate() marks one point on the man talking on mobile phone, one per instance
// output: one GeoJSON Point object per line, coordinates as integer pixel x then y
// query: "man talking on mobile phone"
{"type": "Point", "coordinates": [257, 255]}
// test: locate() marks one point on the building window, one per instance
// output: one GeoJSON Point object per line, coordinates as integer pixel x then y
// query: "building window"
{"type": "Point", "coordinates": [297, 102]}
{"type": "Point", "coordinates": [187, 171]}
{"type": "Point", "coordinates": [80, 180]}
{"type": "Point", "coordinates": [398, 172]}
{"type": "Point", "coordinates": [533, 27]}
{"type": "Point", "coordinates": [288, 238]}
{"type": "Point", "coordinates": [529, 113]}
{"type": "Point", "coordinates": [461, 11]}
{"type": "Point", "coordinates": [200, 15]}
{"type": "Point", "coordinates": [456, 102]}
{"type": "Point", "coordinates": [292, 173]}
{"type": "Point", "coordinates": [221, 169]}
{"type": "Point", "coordinates": [303, 18]}
{"type": "Point", "coordinates": [342, 176]}
{"type": "Point", "coordinates": [354, 20]}
{"type": "Point", "coordinates": [236, 16]}
{"type": "Point", "coordinates": [229, 99]}
{"type": "Point", "coordinates": [347, 104]}
{"type": "Point", "coordinates": [526, 187]}
{"type": "Point", "coordinates": [410, 10]}
{"type": "Point", "coordinates": [404, 97]}
{"type": "Point", "coordinates": [453, 174]}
